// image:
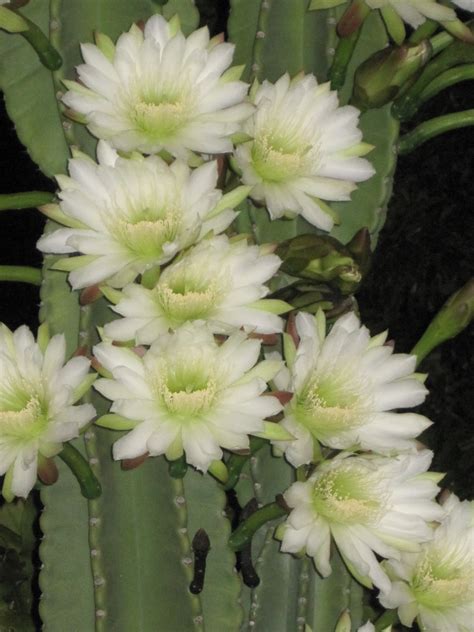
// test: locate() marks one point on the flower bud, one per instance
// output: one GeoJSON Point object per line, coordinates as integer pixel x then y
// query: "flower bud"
{"type": "Point", "coordinates": [382, 77]}
{"type": "Point", "coordinates": [323, 259]}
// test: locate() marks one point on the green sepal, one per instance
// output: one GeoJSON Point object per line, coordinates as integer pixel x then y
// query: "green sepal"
{"type": "Point", "coordinates": [218, 470]}
{"type": "Point", "coordinates": [234, 73]}
{"type": "Point", "coordinates": [240, 137]}
{"type": "Point", "coordinates": [105, 45]}
{"type": "Point", "coordinates": [54, 212]}
{"type": "Point", "coordinates": [272, 305]}
{"type": "Point", "coordinates": [84, 386]}
{"type": "Point", "coordinates": [289, 349]}
{"type": "Point", "coordinates": [150, 277]}
{"type": "Point", "coordinates": [274, 432]}
{"type": "Point", "coordinates": [394, 24]}
{"type": "Point", "coordinates": [7, 485]}
{"type": "Point", "coordinates": [362, 579]}
{"type": "Point", "coordinates": [113, 421]}
{"type": "Point", "coordinates": [265, 370]}
{"type": "Point", "coordinates": [111, 294]}
{"type": "Point", "coordinates": [11, 21]}
{"type": "Point", "coordinates": [230, 200]}
{"type": "Point", "coordinates": [43, 336]}
{"type": "Point", "coordinates": [344, 623]}
{"type": "Point", "coordinates": [67, 264]}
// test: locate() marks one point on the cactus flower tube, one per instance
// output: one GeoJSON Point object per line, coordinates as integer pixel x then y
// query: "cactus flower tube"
{"type": "Point", "coordinates": [158, 90]}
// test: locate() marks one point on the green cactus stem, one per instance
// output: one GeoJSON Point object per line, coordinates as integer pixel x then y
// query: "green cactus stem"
{"type": "Point", "coordinates": [30, 199]}
{"type": "Point", "coordinates": [22, 274]}
{"type": "Point", "coordinates": [435, 127]}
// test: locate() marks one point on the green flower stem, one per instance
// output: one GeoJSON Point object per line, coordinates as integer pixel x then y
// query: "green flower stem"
{"type": "Point", "coordinates": [23, 274]}
{"type": "Point", "coordinates": [47, 54]}
{"type": "Point", "coordinates": [90, 486]}
{"type": "Point", "coordinates": [447, 79]}
{"type": "Point", "coordinates": [453, 317]}
{"type": "Point", "coordinates": [245, 531]}
{"type": "Point", "coordinates": [236, 462]}
{"type": "Point", "coordinates": [434, 127]}
{"type": "Point", "coordinates": [342, 57]}
{"type": "Point", "coordinates": [389, 617]}
{"type": "Point", "coordinates": [425, 31]}
{"type": "Point", "coordinates": [30, 199]}
{"type": "Point", "coordinates": [440, 41]}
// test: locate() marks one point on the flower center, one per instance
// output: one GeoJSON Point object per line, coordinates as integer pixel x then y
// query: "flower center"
{"type": "Point", "coordinates": [277, 159]}
{"type": "Point", "coordinates": [25, 418]}
{"type": "Point", "coordinates": [183, 295]}
{"type": "Point", "coordinates": [186, 389]}
{"type": "Point", "coordinates": [161, 116]}
{"type": "Point", "coordinates": [146, 233]}
{"type": "Point", "coordinates": [443, 583]}
{"type": "Point", "coordinates": [332, 403]}
{"type": "Point", "coordinates": [347, 496]}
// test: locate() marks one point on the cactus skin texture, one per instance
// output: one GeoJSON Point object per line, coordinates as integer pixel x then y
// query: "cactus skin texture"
{"type": "Point", "coordinates": [123, 562]}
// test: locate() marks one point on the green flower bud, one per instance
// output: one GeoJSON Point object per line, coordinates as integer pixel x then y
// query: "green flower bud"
{"type": "Point", "coordinates": [387, 73]}
{"type": "Point", "coordinates": [324, 259]}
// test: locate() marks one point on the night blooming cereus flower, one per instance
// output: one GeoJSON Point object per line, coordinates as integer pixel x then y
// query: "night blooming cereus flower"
{"type": "Point", "coordinates": [436, 585]}
{"type": "Point", "coordinates": [187, 393]}
{"type": "Point", "coordinates": [219, 281]}
{"type": "Point", "coordinates": [128, 215]}
{"type": "Point", "coordinates": [37, 396]}
{"type": "Point", "coordinates": [345, 384]}
{"type": "Point", "coordinates": [158, 90]}
{"type": "Point", "coordinates": [304, 148]}
{"type": "Point", "coordinates": [368, 504]}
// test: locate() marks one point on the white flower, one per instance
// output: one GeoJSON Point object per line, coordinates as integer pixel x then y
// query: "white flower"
{"type": "Point", "coordinates": [304, 149]}
{"type": "Point", "coordinates": [218, 281]}
{"type": "Point", "coordinates": [415, 12]}
{"type": "Point", "coordinates": [37, 393]}
{"type": "Point", "coordinates": [345, 384]}
{"type": "Point", "coordinates": [127, 216]}
{"type": "Point", "coordinates": [188, 393]}
{"type": "Point", "coordinates": [436, 585]}
{"type": "Point", "coordinates": [368, 504]}
{"type": "Point", "coordinates": [158, 90]}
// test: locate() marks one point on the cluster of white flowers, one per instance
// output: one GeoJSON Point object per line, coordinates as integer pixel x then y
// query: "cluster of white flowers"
{"type": "Point", "coordinates": [146, 223]}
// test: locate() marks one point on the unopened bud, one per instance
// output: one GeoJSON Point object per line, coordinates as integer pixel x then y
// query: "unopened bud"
{"type": "Point", "coordinates": [321, 259]}
{"type": "Point", "coordinates": [453, 317]}
{"type": "Point", "coordinates": [388, 73]}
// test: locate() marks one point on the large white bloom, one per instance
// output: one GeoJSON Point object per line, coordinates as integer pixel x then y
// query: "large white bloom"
{"type": "Point", "coordinates": [345, 384]}
{"type": "Point", "coordinates": [369, 504]}
{"type": "Point", "coordinates": [217, 281]}
{"type": "Point", "coordinates": [436, 585]}
{"type": "Point", "coordinates": [187, 393]}
{"type": "Point", "coordinates": [304, 149]}
{"type": "Point", "coordinates": [37, 396]}
{"type": "Point", "coordinates": [127, 216]}
{"type": "Point", "coordinates": [159, 90]}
